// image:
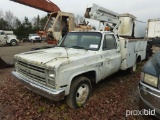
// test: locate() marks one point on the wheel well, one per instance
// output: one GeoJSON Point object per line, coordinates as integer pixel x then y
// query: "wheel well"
{"type": "Point", "coordinates": [13, 40]}
{"type": "Point", "coordinates": [139, 59]}
{"type": "Point", "coordinates": [91, 75]}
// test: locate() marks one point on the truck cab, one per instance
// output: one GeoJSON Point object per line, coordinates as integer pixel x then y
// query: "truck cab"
{"type": "Point", "coordinates": [103, 45]}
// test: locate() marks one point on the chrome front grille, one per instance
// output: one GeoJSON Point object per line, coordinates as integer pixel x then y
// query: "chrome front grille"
{"type": "Point", "coordinates": [153, 100]}
{"type": "Point", "coordinates": [33, 72]}
{"type": "Point", "coordinates": [37, 38]}
{"type": "Point", "coordinates": [150, 95]}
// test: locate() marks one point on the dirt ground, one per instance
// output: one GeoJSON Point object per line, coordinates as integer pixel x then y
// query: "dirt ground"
{"type": "Point", "coordinates": [7, 52]}
{"type": "Point", "coordinates": [109, 100]}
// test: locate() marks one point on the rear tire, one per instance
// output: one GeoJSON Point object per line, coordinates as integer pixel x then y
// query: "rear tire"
{"type": "Point", "coordinates": [80, 92]}
{"type": "Point", "coordinates": [13, 43]}
{"type": "Point", "coordinates": [132, 69]}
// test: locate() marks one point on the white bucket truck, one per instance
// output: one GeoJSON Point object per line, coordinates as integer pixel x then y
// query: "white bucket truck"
{"type": "Point", "coordinates": [7, 37]}
{"type": "Point", "coordinates": [80, 59]}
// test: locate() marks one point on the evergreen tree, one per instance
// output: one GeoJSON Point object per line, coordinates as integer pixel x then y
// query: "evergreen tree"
{"type": "Point", "coordinates": [3, 24]}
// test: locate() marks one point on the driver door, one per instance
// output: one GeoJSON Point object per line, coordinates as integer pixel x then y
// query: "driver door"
{"type": "Point", "coordinates": [111, 55]}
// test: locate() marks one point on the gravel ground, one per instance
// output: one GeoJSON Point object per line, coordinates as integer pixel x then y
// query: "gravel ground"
{"type": "Point", "coordinates": [109, 100]}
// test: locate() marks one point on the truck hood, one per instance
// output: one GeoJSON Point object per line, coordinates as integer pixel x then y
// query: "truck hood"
{"type": "Point", "coordinates": [156, 61]}
{"type": "Point", "coordinates": [153, 65]}
{"type": "Point", "coordinates": [10, 37]}
{"type": "Point", "coordinates": [53, 56]}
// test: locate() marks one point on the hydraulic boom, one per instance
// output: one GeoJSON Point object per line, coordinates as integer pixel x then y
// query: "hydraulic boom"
{"type": "Point", "coordinates": [44, 5]}
{"type": "Point", "coordinates": [125, 25]}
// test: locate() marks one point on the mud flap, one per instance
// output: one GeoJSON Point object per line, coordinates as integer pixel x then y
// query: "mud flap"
{"type": "Point", "coordinates": [3, 64]}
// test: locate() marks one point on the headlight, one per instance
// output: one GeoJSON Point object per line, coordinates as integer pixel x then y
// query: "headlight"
{"type": "Point", "coordinates": [151, 80]}
{"type": "Point", "coordinates": [51, 74]}
{"type": "Point", "coordinates": [16, 65]}
{"type": "Point", "coordinates": [52, 82]}
{"type": "Point", "coordinates": [51, 77]}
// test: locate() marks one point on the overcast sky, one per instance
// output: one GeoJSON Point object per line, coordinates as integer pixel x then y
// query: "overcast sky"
{"type": "Point", "coordinates": [142, 9]}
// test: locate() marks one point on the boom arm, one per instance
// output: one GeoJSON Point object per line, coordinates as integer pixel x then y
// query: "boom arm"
{"type": "Point", "coordinates": [101, 14]}
{"type": "Point", "coordinates": [44, 5]}
{"type": "Point", "coordinates": [109, 18]}
{"type": "Point", "coordinates": [124, 25]}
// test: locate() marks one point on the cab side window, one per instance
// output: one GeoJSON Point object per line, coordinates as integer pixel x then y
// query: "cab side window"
{"type": "Point", "coordinates": [2, 33]}
{"type": "Point", "coordinates": [109, 42]}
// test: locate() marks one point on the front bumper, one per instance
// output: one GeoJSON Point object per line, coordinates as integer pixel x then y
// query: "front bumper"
{"type": "Point", "coordinates": [149, 98]}
{"type": "Point", "coordinates": [43, 90]}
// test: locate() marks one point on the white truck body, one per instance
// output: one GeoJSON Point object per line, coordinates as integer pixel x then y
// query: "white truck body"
{"type": "Point", "coordinates": [80, 59]}
{"type": "Point", "coordinates": [129, 26]}
{"type": "Point", "coordinates": [50, 72]}
{"type": "Point", "coordinates": [139, 29]}
{"type": "Point", "coordinates": [7, 37]}
{"type": "Point", "coordinates": [132, 48]}
{"type": "Point", "coordinates": [153, 29]}
{"type": "Point", "coordinates": [153, 33]}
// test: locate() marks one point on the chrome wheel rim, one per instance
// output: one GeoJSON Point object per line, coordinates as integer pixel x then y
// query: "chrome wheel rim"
{"type": "Point", "coordinates": [82, 94]}
{"type": "Point", "coordinates": [13, 43]}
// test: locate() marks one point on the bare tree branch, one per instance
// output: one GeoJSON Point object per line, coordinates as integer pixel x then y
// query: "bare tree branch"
{"type": "Point", "coordinates": [1, 14]}
{"type": "Point", "coordinates": [79, 19]}
{"type": "Point", "coordinates": [9, 18]}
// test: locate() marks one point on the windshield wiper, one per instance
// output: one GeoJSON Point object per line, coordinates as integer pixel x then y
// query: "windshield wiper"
{"type": "Point", "coordinates": [79, 47]}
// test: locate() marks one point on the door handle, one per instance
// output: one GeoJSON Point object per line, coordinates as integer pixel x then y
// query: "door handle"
{"type": "Point", "coordinates": [107, 59]}
{"type": "Point", "coordinates": [117, 51]}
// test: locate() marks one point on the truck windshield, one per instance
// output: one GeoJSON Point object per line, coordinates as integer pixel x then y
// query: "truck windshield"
{"type": "Point", "coordinates": [82, 40]}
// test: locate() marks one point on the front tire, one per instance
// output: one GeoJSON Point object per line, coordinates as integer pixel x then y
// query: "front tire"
{"type": "Point", "coordinates": [13, 43]}
{"type": "Point", "coordinates": [79, 93]}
